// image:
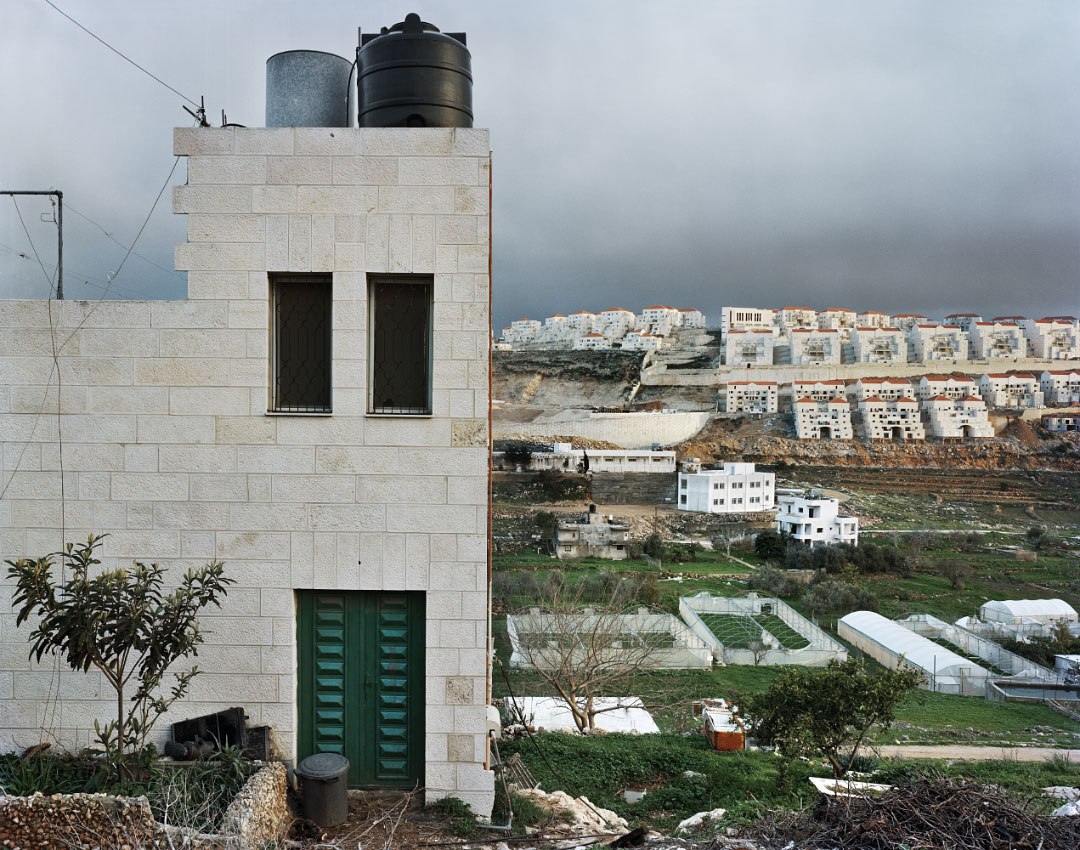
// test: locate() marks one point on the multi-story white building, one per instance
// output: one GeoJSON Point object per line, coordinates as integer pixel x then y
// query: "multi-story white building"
{"type": "Point", "coordinates": [823, 420]}
{"type": "Point", "coordinates": [658, 319]}
{"type": "Point", "coordinates": [751, 397]}
{"type": "Point", "coordinates": [1053, 337]}
{"type": "Point", "coordinates": [815, 521]}
{"type": "Point", "coordinates": [315, 415]}
{"type": "Point", "coordinates": [638, 340]}
{"type": "Point", "coordinates": [556, 322]}
{"type": "Point", "coordinates": [736, 489]}
{"type": "Point", "coordinates": [796, 317]}
{"type": "Point", "coordinates": [591, 342]}
{"type": "Point", "coordinates": [899, 420]}
{"type": "Point", "coordinates": [879, 345]}
{"type": "Point", "coordinates": [1061, 424]}
{"type": "Point", "coordinates": [887, 389]}
{"type": "Point", "coordinates": [999, 389]}
{"type": "Point", "coordinates": [937, 342]}
{"type": "Point", "coordinates": [958, 418]}
{"type": "Point", "coordinates": [997, 339]}
{"type": "Point", "coordinates": [563, 458]}
{"type": "Point", "coordinates": [582, 322]}
{"type": "Point", "coordinates": [745, 319]}
{"type": "Point", "coordinates": [906, 321]}
{"type": "Point", "coordinates": [522, 331]}
{"type": "Point", "coordinates": [593, 536]}
{"type": "Point", "coordinates": [964, 321]}
{"type": "Point", "coordinates": [690, 317]}
{"type": "Point", "coordinates": [615, 323]}
{"type": "Point", "coordinates": [814, 347]}
{"type": "Point", "coordinates": [1061, 386]}
{"type": "Point", "coordinates": [818, 390]}
{"type": "Point", "coordinates": [873, 319]}
{"type": "Point", "coordinates": [749, 348]}
{"type": "Point", "coordinates": [931, 386]}
{"type": "Point", "coordinates": [836, 318]}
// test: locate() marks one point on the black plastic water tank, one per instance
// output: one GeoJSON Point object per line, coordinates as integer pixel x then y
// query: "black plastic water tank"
{"type": "Point", "coordinates": [412, 75]}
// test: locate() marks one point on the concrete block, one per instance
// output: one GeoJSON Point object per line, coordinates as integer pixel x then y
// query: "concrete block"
{"type": "Point", "coordinates": [322, 243]}
{"type": "Point", "coordinates": [437, 171]}
{"type": "Point", "coordinates": [211, 199]}
{"type": "Point", "coordinates": [264, 140]}
{"type": "Point", "coordinates": [398, 489]}
{"type": "Point", "coordinates": [400, 244]}
{"type": "Point", "coordinates": [35, 400]}
{"type": "Point", "coordinates": [249, 313]}
{"type": "Point", "coordinates": [144, 545]}
{"type": "Point", "coordinates": [350, 228]}
{"type": "Point", "coordinates": [423, 244]}
{"type": "Point", "coordinates": [378, 170]}
{"type": "Point", "coordinates": [472, 200]}
{"type": "Point", "coordinates": [403, 431]}
{"type": "Point", "coordinates": [260, 545]}
{"type": "Point", "coordinates": [339, 430]}
{"type": "Point", "coordinates": [473, 258]}
{"type": "Point", "coordinates": [258, 488]}
{"type": "Point", "coordinates": [197, 459]}
{"type": "Point", "coordinates": [277, 242]}
{"type": "Point", "coordinates": [471, 141]}
{"type": "Point", "coordinates": [299, 243]}
{"type": "Point", "coordinates": [198, 544]}
{"type": "Point", "coordinates": [107, 342]}
{"type": "Point", "coordinates": [406, 141]}
{"type": "Point", "coordinates": [351, 517]}
{"type": "Point", "coordinates": [245, 429]}
{"type": "Point", "coordinates": [435, 747]}
{"type": "Point", "coordinates": [92, 485]}
{"type": "Point", "coordinates": [350, 459]}
{"type": "Point", "coordinates": [279, 200]}
{"type": "Point", "coordinates": [228, 401]}
{"type": "Point", "coordinates": [313, 488]}
{"type": "Point", "coordinates": [185, 515]}
{"type": "Point", "coordinates": [226, 169]}
{"type": "Point", "coordinates": [450, 374]}
{"type": "Point", "coordinates": [148, 486]}
{"type": "Point", "coordinates": [349, 257]}
{"type": "Point", "coordinates": [326, 141]}
{"type": "Point", "coordinates": [194, 372]}
{"type": "Point", "coordinates": [473, 777]}
{"type": "Point", "coordinates": [431, 518]}
{"type": "Point", "coordinates": [217, 285]}
{"type": "Point", "coordinates": [416, 199]}
{"type": "Point", "coordinates": [140, 458]}
{"type": "Point", "coordinates": [174, 429]}
{"type": "Point", "coordinates": [276, 459]}
{"type": "Point", "coordinates": [234, 689]}
{"type": "Point", "coordinates": [336, 200]}
{"type": "Point", "coordinates": [202, 141]}
{"type": "Point", "coordinates": [217, 488]}
{"type": "Point", "coordinates": [456, 229]}
{"type": "Point", "coordinates": [189, 314]}
{"type": "Point", "coordinates": [234, 227]}
{"type": "Point", "coordinates": [202, 343]}
{"type": "Point", "coordinates": [467, 491]}
{"type": "Point", "coordinates": [82, 458]}
{"type": "Point", "coordinates": [434, 461]}
{"type": "Point", "coordinates": [299, 170]}
{"type": "Point", "coordinates": [98, 371]}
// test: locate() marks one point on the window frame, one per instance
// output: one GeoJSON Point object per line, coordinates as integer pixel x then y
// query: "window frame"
{"type": "Point", "coordinates": [274, 279]}
{"type": "Point", "coordinates": [373, 281]}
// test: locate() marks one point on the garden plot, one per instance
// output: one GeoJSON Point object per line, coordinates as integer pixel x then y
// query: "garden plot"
{"type": "Point", "coordinates": [757, 630]}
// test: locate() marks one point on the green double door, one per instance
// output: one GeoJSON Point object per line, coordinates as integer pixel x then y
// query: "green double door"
{"type": "Point", "coordinates": [360, 686]}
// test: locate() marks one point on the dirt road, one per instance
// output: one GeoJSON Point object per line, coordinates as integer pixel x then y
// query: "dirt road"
{"type": "Point", "coordinates": [954, 751]}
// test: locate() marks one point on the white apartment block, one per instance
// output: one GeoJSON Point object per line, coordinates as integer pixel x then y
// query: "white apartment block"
{"type": "Point", "coordinates": [964, 321]}
{"type": "Point", "coordinates": [796, 317]}
{"type": "Point", "coordinates": [582, 322]}
{"type": "Point", "coordinates": [887, 389]}
{"type": "Point", "coordinates": [1061, 386]}
{"type": "Point", "coordinates": [818, 390]}
{"type": "Point", "coordinates": [1053, 338]}
{"type": "Point", "coordinates": [315, 415]}
{"type": "Point", "coordinates": [815, 521]}
{"type": "Point", "coordinates": [1061, 424]}
{"type": "Point", "coordinates": [638, 340]}
{"type": "Point", "coordinates": [938, 342]}
{"type": "Point", "coordinates": [836, 318]}
{"type": "Point", "coordinates": [749, 347]}
{"type": "Point", "coordinates": [899, 420]}
{"type": "Point", "coordinates": [690, 317]}
{"type": "Point", "coordinates": [823, 420]}
{"type": "Point", "coordinates": [736, 489]}
{"type": "Point", "coordinates": [591, 342]}
{"type": "Point", "coordinates": [1002, 390]}
{"type": "Point", "coordinates": [906, 321]}
{"type": "Point", "coordinates": [751, 397]}
{"type": "Point", "coordinates": [615, 323]}
{"type": "Point", "coordinates": [814, 347]}
{"type": "Point", "coordinates": [658, 319]}
{"type": "Point", "coordinates": [996, 339]}
{"type": "Point", "coordinates": [873, 319]}
{"type": "Point", "coordinates": [958, 419]}
{"type": "Point", "coordinates": [879, 345]}
{"type": "Point", "coordinates": [745, 319]}
{"type": "Point", "coordinates": [556, 322]}
{"type": "Point", "coordinates": [522, 331]}
{"type": "Point", "coordinates": [948, 386]}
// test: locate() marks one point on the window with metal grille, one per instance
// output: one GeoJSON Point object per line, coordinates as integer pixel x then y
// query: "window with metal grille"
{"type": "Point", "coordinates": [400, 308]}
{"type": "Point", "coordinates": [301, 306]}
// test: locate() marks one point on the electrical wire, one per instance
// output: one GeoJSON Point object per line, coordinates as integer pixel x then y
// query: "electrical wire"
{"type": "Point", "coordinates": [86, 277]}
{"type": "Point", "coordinates": [33, 248]}
{"type": "Point", "coordinates": [118, 53]}
{"type": "Point", "coordinates": [83, 215]}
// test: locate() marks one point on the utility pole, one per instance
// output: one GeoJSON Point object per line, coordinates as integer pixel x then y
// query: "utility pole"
{"type": "Point", "coordinates": [59, 231]}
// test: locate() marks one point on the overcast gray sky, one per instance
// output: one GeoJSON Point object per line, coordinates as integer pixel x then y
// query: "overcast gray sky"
{"type": "Point", "coordinates": [897, 155]}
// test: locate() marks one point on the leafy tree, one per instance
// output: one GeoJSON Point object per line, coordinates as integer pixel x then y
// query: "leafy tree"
{"type": "Point", "coordinates": [654, 545]}
{"type": "Point", "coordinates": [518, 454]}
{"type": "Point", "coordinates": [770, 544]}
{"type": "Point", "coordinates": [830, 711]}
{"type": "Point", "coordinates": [774, 582]}
{"type": "Point", "coordinates": [955, 572]}
{"type": "Point", "coordinates": [829, 596]}
{"type": "Point", "coordinates": [1036, 536]}
{"type": "Point", "coordinates": [120, 622]}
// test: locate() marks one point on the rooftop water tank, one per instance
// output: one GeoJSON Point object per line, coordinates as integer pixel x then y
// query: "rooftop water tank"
{"type": "Point", "coordinates": [307, 88]}
{"type": "Point", "coordinates": [412, 75]}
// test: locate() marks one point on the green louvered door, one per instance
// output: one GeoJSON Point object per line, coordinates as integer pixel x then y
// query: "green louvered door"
{"type": "Point", "coordinates": [361, 682]}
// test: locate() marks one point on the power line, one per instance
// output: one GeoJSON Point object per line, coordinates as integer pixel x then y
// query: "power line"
{"type": "Point", "coordinates": [85, 276]}
{"type": "Point", "coordinates": [118, 53]}
{"type": "Point", "coordinates": [118, 242]}
{"type": "Point", "coordinates": [33, 248]}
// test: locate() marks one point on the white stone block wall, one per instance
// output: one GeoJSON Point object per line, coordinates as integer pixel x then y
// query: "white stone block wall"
{"type": "Point", "coordinates": [168, 446]}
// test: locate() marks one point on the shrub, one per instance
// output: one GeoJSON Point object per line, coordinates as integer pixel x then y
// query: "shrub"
{"type": "Point", "coordinates": [774, 582]}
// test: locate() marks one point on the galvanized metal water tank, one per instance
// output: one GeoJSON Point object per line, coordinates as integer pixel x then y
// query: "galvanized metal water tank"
{"type": "Point", "coordinates": [412, 75]}
{"type": "Point", "coordinates": [307, 88]}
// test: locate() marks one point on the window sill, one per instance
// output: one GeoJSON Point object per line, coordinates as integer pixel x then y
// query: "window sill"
{"type": "Point", "coordinates": [308, 414]}
{"type": "Point", "coordinates": [400, 415]}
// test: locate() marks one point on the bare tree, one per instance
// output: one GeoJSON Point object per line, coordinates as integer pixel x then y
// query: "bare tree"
{"type": "Point", "coordinates": [758, 648]}
{"type": "Point", "coordinates": [585, 653]}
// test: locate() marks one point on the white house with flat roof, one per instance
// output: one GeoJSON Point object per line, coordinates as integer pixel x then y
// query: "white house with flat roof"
{"type": "Point", "coordinates": [749, 347]}
{"type": "Point", "coordinates": [593, 341]}
{"type": "Point", "coordinates": [887, 389]}
{"type": "Point", "coordinates": [815, 347]}
{"type": "Point", "coordinates": [1061, 386]}
{"type": "Point", "coordinates": [658, 319]}
{"type": "Point", "coordinates": [746, 319]}
{"type": "Point", "coordinates": [1061, 423]}
{"type": "Point", "coordinates": [691, 317]}
{"type": "Point", "coordinates": [999, 389]}
{"type": "Point", "coordinates": [996, 339]}
{"type": "Point", "coordinates": [522, 331]}
{"type": "Point", "coordinates": [814, 520]}
{"type": "Point", "coordinates": [885, 345]}
{"type": "Point", "coordinates": [823, 420]}
{"type": "Point", "coordinates": [930, 343]}
{"type": "Point", "coordinates": [736, 489]}
{"type": "Point", "coordinates": [899, 420]}
{"type": "Point", "coordinates": [953, 419]}
{"type": "Point", "coordinates": [751, 397]}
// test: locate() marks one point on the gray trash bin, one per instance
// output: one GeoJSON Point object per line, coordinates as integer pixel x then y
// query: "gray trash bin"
{"type": "Point", "coordinates": [324, 788]}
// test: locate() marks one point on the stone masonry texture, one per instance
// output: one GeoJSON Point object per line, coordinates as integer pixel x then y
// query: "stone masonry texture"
{"type": "Point", "coordinates": [169, 449]}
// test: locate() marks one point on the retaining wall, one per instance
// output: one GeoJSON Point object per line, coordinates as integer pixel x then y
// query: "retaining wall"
{"type": "Point", "coordinates": [629, 430]}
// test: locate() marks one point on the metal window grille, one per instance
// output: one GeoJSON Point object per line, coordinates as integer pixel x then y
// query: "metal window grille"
{"type": "Point", "coordinates": [300, 343]}
{"type": "Point", "coordinates": [401, 311]}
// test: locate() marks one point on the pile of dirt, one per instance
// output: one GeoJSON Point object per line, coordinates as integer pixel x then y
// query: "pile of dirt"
{"type": "Point", "coordinates": [1021, 431]}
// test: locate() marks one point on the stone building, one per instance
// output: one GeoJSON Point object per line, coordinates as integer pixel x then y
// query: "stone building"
{"type": "Point", "coordinates": [814, 347]}
{"type": "Point", "coordinates": [796, 317]}
{"type": "Point", "coordinates": [749, 347]}
{"type": "Point", "coordinates": [836, 318]}
{"type": "Point", "coordinates": [885, 345]}
{"type": "Point", "coordinates": [1053, 337]}
{"type": "Point", "coordinates": [823, 420]}
{"type": "Point", "coordinates": [593, 536]}
{"type": "Point", "coordinates": [996, 339]}
{"type": "Point", "coordinates": [953, 419]}
{"type": "Point", "coordinates": [751, 397]}
{"type": "Point", "coordinates": [591, 342]}
{"type": "Point", "coordinates": [999, 389]}
{"type": "Point", "coordinates": [818, 390]}
{"type": "Point", "coordinates": [1061, 386]}
{"type": "Point", "coordinates": [887, 389]}
{"type": "Point", "coordinates": [898, 419]}
{"type": "Point", "coordinates": [946, 385]}
{"type": "Point", "coordinates": [928, 343]}
{"type": "Point", "coordinates": [315, 415]}
{"type": "Point", "coordinates": [746, 319]}
{"type": "Point", "coordinates": [873, 319]}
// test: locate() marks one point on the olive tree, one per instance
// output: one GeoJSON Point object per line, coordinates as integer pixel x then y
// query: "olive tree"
{"type": "Point", "coordinates": [826, 711]}
{"type": "Point", "coordinates": [121, 622]}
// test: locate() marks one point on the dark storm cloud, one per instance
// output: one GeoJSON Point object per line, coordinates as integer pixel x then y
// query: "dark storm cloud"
{"type": "Point", "coordinates": [900, 156]}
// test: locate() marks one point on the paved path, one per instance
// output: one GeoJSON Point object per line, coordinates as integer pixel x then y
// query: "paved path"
{"type": "Point", "coordinates": [956, 751]}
